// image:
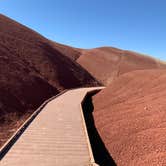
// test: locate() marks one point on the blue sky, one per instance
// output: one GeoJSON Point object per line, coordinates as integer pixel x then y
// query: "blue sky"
{"type": "Point", "coordinates": [138, 25]}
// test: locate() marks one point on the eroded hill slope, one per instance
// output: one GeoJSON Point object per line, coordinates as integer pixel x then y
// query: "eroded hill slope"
{"type": "Point", "coordinates": [130, 116]}
{"type": "Point", "coordinates": [32, 69]}
{"type": "Point", "coordinates": [107, 63]}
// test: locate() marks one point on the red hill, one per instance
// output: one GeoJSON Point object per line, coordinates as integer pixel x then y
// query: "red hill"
{"type": "Point", "coordinates": [32, 69]}
{"type": "Point", "coordinates": [130, 117]}
{"type": "Point", "coordinates": [107, 63]}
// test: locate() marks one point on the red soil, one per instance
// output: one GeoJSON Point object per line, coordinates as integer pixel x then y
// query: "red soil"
{"type": "Point", "coordinates": [32, 69]}
{"type": "Point", "coordinates": [130, 116]}
{"type": "Point", "coordinates": [107, 63]}
{"type": "Point", "coordinates": [71, 52]}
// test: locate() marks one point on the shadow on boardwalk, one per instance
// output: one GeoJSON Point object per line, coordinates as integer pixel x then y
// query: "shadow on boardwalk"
{"type": "Point", "coordinates": [101, 155]}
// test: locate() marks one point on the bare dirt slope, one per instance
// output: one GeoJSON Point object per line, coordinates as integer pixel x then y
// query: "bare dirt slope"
{"type": "Point", "coordinates": [107, 63]}
{"type": "Point", "coordinates": [71, 52]}
{"type": "Point", "coordinates": [32, 69]}
{"type": "Point", "coordinates": [130, 116]}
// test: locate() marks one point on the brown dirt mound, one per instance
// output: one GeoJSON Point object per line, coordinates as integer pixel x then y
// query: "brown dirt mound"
{"type": "Point", "coordinates": [130, 116]}
{"type": "Point", "coordinates": [32, 69]}
{"type": "Point", "coordinates": [107, 63]}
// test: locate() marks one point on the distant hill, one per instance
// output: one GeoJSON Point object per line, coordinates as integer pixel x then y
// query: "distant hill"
{"type": "Point", "coordinates": [107, 63]}
{"type": "Point", "coordinates": [32, 69]}
{"type": "Point", "coordinates": [130, 117]}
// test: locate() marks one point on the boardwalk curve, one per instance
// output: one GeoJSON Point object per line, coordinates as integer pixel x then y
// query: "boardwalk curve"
{"type": "Point", "coordinates": [56, 137]}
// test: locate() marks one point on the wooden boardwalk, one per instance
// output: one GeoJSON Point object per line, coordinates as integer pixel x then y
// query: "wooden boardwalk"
{"type": "Point", "coordinates": [56, 137]}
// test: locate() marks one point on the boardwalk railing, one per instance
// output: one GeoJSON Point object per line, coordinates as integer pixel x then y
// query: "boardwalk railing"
{"type": "Point", "coordinates": [85, 127]}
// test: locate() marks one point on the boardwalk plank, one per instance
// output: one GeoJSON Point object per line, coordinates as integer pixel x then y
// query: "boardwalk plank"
{"type": "Point", "coordinates": [56, 137]}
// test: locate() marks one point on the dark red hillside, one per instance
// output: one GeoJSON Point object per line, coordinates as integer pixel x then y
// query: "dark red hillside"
{"type": "Point", "coordinates": [32, 69]}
